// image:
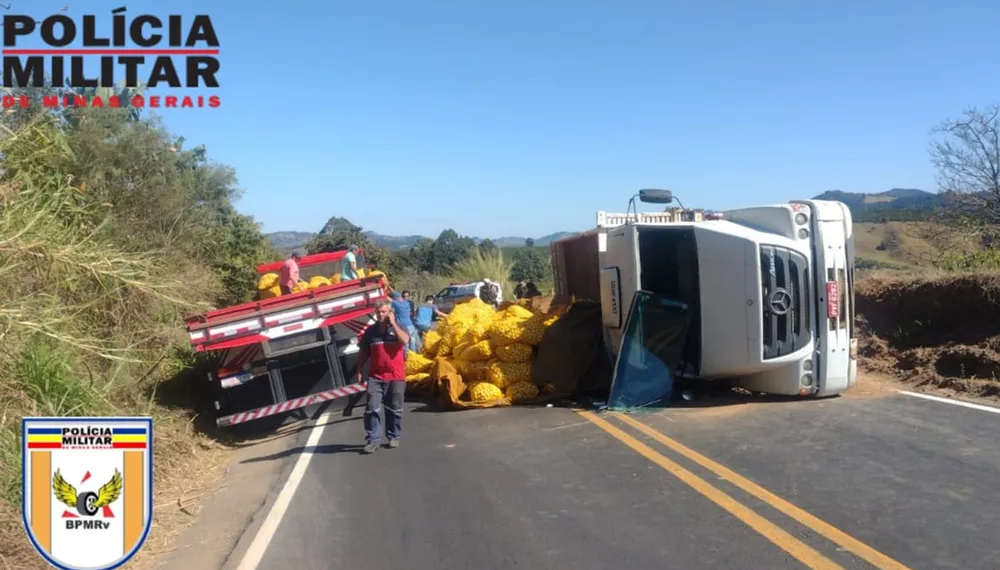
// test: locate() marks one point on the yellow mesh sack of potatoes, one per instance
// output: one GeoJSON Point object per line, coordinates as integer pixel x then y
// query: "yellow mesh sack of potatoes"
{"type": "Point", "coordinates": [515, 352]}
{"type": "Point", "coordinates": [517, 312]}
{"type": "Point", "coordinates": [267, 281]}
{"type": "Point", "coordinates": [521, 392]}
{"type": "Point", "coordinates": [444, 347]}
{"type": "Point", "coordinates": [318, 281]}
{"type": "Point", "coordinates": [477, 332]}
{"type": "Point", "coordinates": [532, 330]}
{"type": "Point", "coordinates": [431, 342]}
{"type": "Point", "coordinates": [416, 363]}
{"type": "Point", "coordinates": [505, 330]}
{"type": "Point", "coordinates": [270, 293]}
{"type": "Point", "coordinates": [418, 377]}
{"type": "Point", "coordinates": [335, 278]}
{"type": "Point", "coordinates": [483, 391]}
{"type": "Point", "coordinates": [478, 352]}
{"type": "Point", "coordinates": [503, 374]}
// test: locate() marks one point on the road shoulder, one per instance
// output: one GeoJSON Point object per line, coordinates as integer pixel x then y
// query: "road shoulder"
{"type": "Point", "coordinates": [237, 502]}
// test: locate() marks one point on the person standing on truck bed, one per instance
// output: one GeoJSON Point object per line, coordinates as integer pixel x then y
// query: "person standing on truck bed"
{"type": "Point", "coordinates": [350, 269]}
{"type": "Point", "coordinates": [288, 275]}
{"type": "Point", "coordinates": [381, 347]}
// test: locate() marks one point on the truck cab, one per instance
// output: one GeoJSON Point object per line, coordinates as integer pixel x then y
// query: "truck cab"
{"type": "Point", "coordinates": [768, 291]}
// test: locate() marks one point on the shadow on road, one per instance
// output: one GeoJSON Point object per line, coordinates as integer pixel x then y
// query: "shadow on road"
{"type": "Point", "coordinates": [326, 449]}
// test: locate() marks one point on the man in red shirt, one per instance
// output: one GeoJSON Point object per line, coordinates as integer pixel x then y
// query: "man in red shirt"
{"type": "Point", "coordinates": [288, 275]}
{"type": "Point", "coordinates": [382, 348]}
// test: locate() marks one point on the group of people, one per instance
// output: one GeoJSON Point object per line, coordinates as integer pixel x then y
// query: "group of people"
{"type": "Point", "coordinates": [526, 290]}
{"type": "Point", "coordinates": [288, 275]}
{"type": "Point", "coordinates": [399, 328]}
{"type": "Point", "coordinates": [415, 320]}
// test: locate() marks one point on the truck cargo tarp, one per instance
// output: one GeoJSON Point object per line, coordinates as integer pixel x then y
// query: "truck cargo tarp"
{"type": "Point", "coordinates": [655, 333]}
{"type": "Point", "coordinates": [571, 355]}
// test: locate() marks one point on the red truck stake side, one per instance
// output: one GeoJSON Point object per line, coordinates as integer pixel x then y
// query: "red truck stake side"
{"type": "Point", "coordinates": [274, 339]}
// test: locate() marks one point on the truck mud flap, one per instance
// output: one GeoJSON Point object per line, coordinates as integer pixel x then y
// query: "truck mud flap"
{"type": "Point", "coordinates": [305, 401]}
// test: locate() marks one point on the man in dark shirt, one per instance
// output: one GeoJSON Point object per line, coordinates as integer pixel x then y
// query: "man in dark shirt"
{"type": "Point", "coordinates": [521, 290]}
{"type": "Point", "coordinates": [381, 347]}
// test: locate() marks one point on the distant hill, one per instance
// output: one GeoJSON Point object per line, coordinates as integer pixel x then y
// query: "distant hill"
{"type": "Point", "coordinates": [897, 204]}
{"type": "Point", "coordinates": [393, 242]}
{"type": "Point", "coordinates": [548, 239]}
{"type": "Point", "coordinates": [288, 241]}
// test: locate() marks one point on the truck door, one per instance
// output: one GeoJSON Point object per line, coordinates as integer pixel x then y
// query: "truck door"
{"type": "Point", "coordinates": [622, 268]}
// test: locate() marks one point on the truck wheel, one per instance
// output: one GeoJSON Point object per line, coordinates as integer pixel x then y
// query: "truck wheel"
{"type": "Point", "coordinates": [85, 504]}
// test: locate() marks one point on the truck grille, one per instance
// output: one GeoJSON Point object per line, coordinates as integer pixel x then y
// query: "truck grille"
{"type": "Point", "coordinates": [784, 283]}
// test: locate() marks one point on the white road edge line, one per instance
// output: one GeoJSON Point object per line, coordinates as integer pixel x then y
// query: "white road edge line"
{"type": "Point", "coordinates": [969, 405]}
{"type": "Point", "coordinates": [265, 533]}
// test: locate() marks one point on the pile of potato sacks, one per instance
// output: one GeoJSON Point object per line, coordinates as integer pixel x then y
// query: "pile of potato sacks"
{"type": "Point", "coordinates": [268, 288]}
{"type": "Point", "coordinates": [492, 350]}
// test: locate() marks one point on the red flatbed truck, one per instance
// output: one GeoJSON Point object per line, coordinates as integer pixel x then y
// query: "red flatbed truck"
{"type": "Point", "coordinates": [260, 343]}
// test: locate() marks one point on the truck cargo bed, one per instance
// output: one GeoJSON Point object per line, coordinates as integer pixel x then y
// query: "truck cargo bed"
{"type": "Point", "coordinates": [259, 321]}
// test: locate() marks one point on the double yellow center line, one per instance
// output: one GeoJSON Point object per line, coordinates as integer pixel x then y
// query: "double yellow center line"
{"type": "Point", "coordinates": [793, 546]}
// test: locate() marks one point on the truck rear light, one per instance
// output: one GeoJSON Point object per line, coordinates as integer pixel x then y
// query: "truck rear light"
{"type": "Point", "coordinates": [832, 300]}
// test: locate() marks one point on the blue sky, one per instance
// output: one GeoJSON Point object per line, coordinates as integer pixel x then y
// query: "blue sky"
{"type": "Point", "coordinates": [524, 118]}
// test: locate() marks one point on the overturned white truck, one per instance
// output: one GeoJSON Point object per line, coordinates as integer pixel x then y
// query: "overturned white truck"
{"type": "Point", "coordinates": [761, 296]}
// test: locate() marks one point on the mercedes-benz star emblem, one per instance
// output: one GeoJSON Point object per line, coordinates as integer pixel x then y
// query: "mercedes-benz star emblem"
{"type": "Point", "coordinates": [780, 301]}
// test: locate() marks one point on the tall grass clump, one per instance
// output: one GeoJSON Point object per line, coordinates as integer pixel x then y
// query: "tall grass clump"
{"type": "Point", "coordinates": [79, 314]}
{"type": "Point", "coordinates": [489, 264]}
{"type": "Point", "coordinates": [90, 309]}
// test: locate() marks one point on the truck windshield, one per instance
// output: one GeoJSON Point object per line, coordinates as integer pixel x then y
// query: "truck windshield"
{"type": "Point", "coordinates": [654, 339]}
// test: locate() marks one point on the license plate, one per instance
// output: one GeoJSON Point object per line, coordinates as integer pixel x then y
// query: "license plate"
{"type": "Point", "coordinates": [832, 299]}
{"type": "Point", "coordinates": [232, 381]}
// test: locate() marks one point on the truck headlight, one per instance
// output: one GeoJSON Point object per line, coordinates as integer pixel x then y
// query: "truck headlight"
{"type": "Point", "coordinates": [807, 380]}
{"type": "Point", "coordinates": [803, 233]}
{"type": "Point", "coordinates": [801, 218]}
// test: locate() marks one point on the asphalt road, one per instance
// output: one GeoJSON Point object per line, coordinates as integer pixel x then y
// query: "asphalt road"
{"type": "Point", "coordinates": [889, 482]}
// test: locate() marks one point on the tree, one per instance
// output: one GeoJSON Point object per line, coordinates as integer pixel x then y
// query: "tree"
{"type": "Point", "coordinates": [449, 249]}
{"type": "Point", "coordinates": [966, 154]}
{"type": "Point", "coordinates": [488, 248]}
{"type": "Point", "coordinates": [529, 264]}
{"type": "Point", "coordinates": [529, 242]}
{"type": "Point", "coordinates": [421, 256]}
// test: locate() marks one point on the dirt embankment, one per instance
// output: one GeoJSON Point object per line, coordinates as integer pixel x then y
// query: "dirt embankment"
{"type": "Point", "coordinates": [941, 332]}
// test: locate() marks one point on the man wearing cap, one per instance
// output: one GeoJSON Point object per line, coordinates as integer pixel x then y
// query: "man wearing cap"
{"type": "Point", "coordinates": [350, 269]}
{"type": "Point", "coordinates": [288, 275]}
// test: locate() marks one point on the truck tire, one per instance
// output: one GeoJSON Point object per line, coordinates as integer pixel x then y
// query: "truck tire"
{"type": "Point", "coordinates": [85, 504]}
